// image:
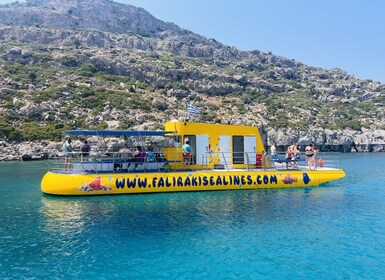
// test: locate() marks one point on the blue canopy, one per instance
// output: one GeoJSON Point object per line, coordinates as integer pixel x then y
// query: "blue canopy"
{"type": "Point", "coordinates": [126, 133]}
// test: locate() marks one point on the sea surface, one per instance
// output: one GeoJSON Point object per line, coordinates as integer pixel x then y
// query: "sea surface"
{"type": "Point", "coordinates": [336, 231]}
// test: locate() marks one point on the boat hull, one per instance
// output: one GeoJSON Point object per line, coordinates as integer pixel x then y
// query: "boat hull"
{"type": "Point", "coordinates": [130, 183]}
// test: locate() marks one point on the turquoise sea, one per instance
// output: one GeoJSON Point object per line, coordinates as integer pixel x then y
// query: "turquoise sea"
{"type": "Point", "coordinates": [336, 231]}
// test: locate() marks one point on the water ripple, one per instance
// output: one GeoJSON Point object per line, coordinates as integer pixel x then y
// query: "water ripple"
{"type": "Point", "coordinates": [335, 232]}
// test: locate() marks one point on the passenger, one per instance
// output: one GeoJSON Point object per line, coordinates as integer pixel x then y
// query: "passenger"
{"type": "Point", "coordinates": [67, 148]}
{"type": "Point", "coordinates": [273, 151]}
{"type": "Point", "coordinates": [139, 156]}
{"type": "Point", "coordinates": [125, 153]}
{"type": "Point", "coordinates": [186, 150]}
{"type": "Point", "coordinates": [85, 150]}
{"type": "Point", "coordinates": [288, 157]}
{"type": "Point", "coordinates": [142, 154]}
{"type": "Point", "coordinates": [292, 148]}
{"type": "Point", "coordinates": [296, 155]}
{"type": "Point", "coordinates": [310, 154]}
{"type": "Point", "coordinates": [150, 157]}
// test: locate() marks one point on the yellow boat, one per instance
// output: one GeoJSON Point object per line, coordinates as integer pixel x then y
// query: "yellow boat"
{"type": "Point", "coordinates": [223, 157]}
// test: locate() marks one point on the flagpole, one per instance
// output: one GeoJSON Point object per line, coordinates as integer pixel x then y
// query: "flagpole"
{"type": "Point", "coordinates": [187, 115]}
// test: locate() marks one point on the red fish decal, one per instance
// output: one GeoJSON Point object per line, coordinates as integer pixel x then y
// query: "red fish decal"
{"type": "Point", "coordinates": [289, 179]}
{"type": "Point", "coordinates": [95, 185]}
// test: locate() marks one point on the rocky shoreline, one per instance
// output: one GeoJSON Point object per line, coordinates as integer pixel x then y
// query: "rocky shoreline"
{"type": "Point", "coordinates": [345, 141]}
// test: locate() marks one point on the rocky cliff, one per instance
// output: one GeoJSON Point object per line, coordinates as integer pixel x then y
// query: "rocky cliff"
{"type": "Point", "coordinates": [99, 64]}
{"type": "Point", "coordinates": [102, 15]}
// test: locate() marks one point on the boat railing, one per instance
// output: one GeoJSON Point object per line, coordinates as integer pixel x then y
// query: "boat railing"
{"type": "Point", "coordinates": [255, 161]}
{"type": "Point", "coordinates": [227, 160]}
{"type": "Point", "coordinates": [102, 161]}
{"type": "Point", "coordinates": [322, 160]}
{"type": "Point", "coordinates": [107, 161]}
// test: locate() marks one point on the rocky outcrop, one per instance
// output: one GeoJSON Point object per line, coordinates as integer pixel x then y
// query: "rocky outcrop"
{"type": "Point", "coordinates": [26, 150]}
{"type": "Point", "coordinates": [348, 140]}
{"type": "Point", "coordinates": [40, 150]}
{"type": "Point", "coordinates": [325, 140]}
{"type": "Point", "coordinates": [19, 55]}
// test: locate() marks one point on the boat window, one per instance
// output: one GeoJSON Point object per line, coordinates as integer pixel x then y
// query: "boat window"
{"type": "Point", "coordinates": [177, 141]}
{"type": "Point", "coordinates": [173, 141]}
{"type": "Point", "coordinates": [238, 149]}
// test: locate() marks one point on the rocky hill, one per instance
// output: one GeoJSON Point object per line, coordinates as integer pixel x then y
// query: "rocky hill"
{"type": "Point", "coordinates": [97, 63]}
{"type": "Point", "coordinates": [102, 15]}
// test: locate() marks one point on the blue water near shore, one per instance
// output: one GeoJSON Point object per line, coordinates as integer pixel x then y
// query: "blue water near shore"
{"type": "Point", "coordinates": [336, 231]}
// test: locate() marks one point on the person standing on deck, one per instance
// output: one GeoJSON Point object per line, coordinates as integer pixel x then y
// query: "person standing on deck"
{"type": "Point", "coordinates": [310, 154]}
{"type": "Point", "coordinates": [186, 150]}
{"type": "Point", "coordinates": [296, 155]}
{"type": "Point", "coordinates": [85, 150]}
{"type": "Point", "coordinates": [273, 151]}
{"type": "Point", "coordinates": [288, 157]}
{"type": "Point", "coordinates": [67, 148]}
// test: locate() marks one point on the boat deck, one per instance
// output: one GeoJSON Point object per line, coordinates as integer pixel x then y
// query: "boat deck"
{"type": "Point", "coordinates": [235, 170]}
{"type": "Point", "coordinates": [116, 165]}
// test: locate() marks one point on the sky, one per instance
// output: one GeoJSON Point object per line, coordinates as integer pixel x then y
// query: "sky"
{"type": "Point", "coordinates": [345, 34]}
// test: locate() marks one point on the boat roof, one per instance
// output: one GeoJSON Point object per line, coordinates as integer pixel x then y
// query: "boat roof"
{"type": "Point", "coordinates": [137, 133]}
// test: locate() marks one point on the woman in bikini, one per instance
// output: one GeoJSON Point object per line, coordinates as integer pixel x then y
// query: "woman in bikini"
{"type": "Point", "coordinates": [310, 154]}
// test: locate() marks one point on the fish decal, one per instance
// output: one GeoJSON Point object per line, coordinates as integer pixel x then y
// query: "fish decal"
{"type": "Point", "coordinates": [95, 185]}
{"type": "Point", "coordinates": [306, 178]}
{"type": "Point", "coordinates": [289, 179]}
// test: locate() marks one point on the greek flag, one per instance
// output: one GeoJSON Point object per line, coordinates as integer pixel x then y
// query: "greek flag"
{"type": "Point", "coordinates": [191, 109]}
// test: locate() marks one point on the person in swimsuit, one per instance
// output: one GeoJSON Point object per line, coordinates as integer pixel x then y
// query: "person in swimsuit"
{"type": "Point", "coordinates": [288, 157]}
{"type": "Point", "coordinates": [310, 154]}
{"type": "Point", "coordinates": [296, 155]}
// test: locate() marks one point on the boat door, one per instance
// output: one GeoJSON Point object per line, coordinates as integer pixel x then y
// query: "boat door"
{"type": "Point", "coordinates": [202, 145]}
{"type": "Point", "coordinates": [250, 149]}
{"type": "Point", "coordinates": [225, 155]}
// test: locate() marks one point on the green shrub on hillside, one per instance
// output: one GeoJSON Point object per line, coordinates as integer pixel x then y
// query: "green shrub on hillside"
{"type": "Point", "coordinates": [69, 61]}
{"type": "Point", "coordinates": [7, 130]}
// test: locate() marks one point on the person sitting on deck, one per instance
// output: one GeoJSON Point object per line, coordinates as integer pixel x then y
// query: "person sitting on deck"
{"type": "Point", "coordinates": [125, 155]}
{"type": "Point", "coordinates": [139, 156]}
{"type": "Point", "coordinates": [150, 157]}
{"type": "Point", "coordinates": [125, 152]}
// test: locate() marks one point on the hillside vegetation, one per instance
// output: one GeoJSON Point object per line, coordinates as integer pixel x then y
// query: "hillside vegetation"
{"type": "Point", "coordinates": [63, 66]}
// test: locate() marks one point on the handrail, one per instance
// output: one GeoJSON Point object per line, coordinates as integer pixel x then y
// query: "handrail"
{"type": "Point", "coordinates": [99, 162]}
